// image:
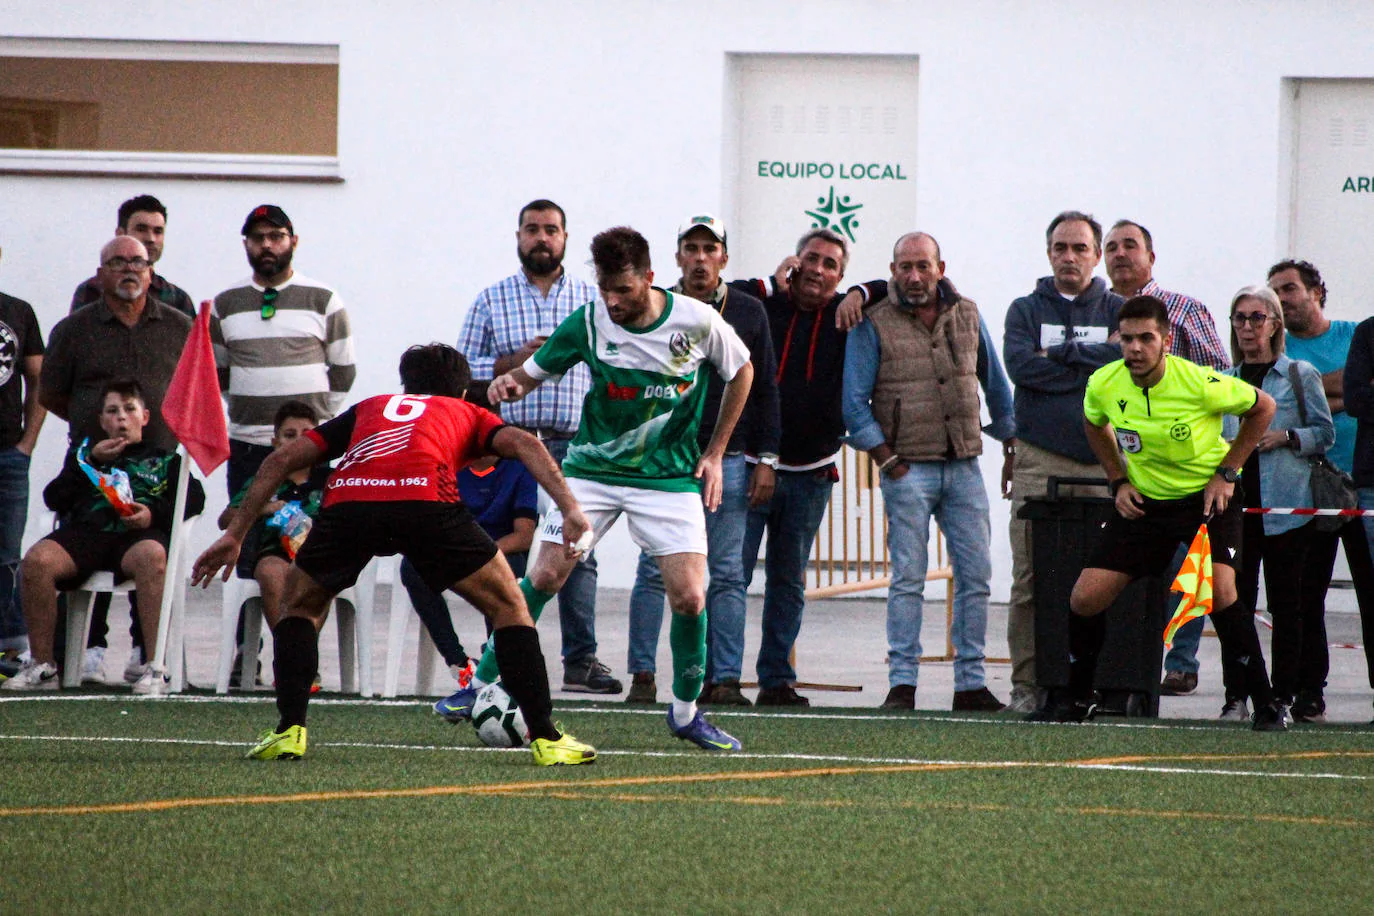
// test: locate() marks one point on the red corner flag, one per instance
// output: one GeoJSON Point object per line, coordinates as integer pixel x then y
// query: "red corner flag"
{"type": "Point", "coordinates": [191, 407]}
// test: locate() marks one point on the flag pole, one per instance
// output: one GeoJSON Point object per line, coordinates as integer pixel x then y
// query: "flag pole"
{"type": "Point", "coordinates": [171, 577]}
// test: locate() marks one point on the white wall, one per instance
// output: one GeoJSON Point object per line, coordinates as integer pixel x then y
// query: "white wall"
{"type": "Point", "coordinates": [452, 115]}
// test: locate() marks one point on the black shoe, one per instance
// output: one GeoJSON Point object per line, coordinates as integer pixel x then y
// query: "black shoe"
{"type": "Point", "coordinates": [1178, 683]}
{"type": "Point", "coordinates": [1309, 707]}
{"type": "Point", "coordinates": [979, 700]}
{"type": "Point", "coordinates": [1271, 718]}
{"type": "Point", "coordinates": [642, 688]}
{"type": "Point", "coordinates": [903, 696]}
{"type": "Point", "coordinates": [588, 675]}
{"type": "Point", "coordinates": [1064, 710]}
{"type": "Point", "coordinates": [726, 693]}
{"type": "Point", "coordinates": [781, 696]}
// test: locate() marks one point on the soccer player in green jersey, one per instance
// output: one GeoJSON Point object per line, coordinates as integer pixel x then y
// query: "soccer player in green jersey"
{"type": "Point", "coordinates": [636, 449]}
{"type": "Point", "coordinates": [1154, 422]}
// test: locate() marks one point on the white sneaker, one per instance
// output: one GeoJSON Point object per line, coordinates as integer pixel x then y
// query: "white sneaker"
{"type": "Point", "coordinates": [1024, 699]}
{"type": "Point", "coordinates": [1235, 711]}
{"type": "Point", "coordinates": [135, 667]}
{"type": "Point", "coordinates": [33, 676]}
{"type": "Point", "coordinates": [92, 664]}
{"type": "Point", "coordinates": [154, 682]}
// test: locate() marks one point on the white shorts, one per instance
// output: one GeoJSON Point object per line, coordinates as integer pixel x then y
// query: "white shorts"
{"type": "Point", "coordinates": [661, 523]}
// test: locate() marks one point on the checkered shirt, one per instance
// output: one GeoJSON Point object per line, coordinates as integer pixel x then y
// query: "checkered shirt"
{"type": "Point", "coordinates": [505, 316]}
{"type": "Point", "coordinates": [1195, 331]}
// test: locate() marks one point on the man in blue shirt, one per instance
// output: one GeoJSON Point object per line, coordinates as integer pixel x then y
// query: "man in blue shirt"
{"type": "Point", "coordinates": [1325, 344]}
{"type": "Point", "coordinates": [509, 321]}
{"type": "Point", "coordinates": [910, 399]}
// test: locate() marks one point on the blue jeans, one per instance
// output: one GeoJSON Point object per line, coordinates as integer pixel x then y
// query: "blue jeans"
{"type": "Point", "coordinates": [577, 597]}
{"type": "Point", "coordinates": [14, 511]}
{"type": "Point", "coordinates": [1183, 654]}
{"type": "Point", "coordinates": [724, 594]}
{"type": "Point", "coordinates": [952, 492]}
{"type": "Point", "coordinates": [791, 517]}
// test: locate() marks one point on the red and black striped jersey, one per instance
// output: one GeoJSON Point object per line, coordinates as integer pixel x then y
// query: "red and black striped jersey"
{"type": "Point", "coordinates": [396, 447]}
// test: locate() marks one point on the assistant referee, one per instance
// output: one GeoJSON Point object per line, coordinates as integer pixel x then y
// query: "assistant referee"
{"type": "Point", "coordinates": [1154, 422]}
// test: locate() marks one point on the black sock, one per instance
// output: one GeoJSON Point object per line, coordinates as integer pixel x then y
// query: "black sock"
{"type": "Point", "coordinates": [525, 678]}
{"type": "Point", "coordinates": [1086, 635]}
{"type": "Point", "coordinates": [1240, 648]}
{"type": "Point", "coordinates": [296, 657]}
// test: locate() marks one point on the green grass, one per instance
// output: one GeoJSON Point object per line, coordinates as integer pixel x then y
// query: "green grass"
{"type": "Point", "coordinates": [838, 811]}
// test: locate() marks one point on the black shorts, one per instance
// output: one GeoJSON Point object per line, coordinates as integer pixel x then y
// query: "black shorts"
{"type": "Point", "coordinates": [1145, 546]}
{"type": "Point", "coordinates": [100, 551]}
{"type": "Point", "coordinates": [442, 539]}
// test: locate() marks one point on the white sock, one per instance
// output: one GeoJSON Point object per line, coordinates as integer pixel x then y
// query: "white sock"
{"type": "Point", "coordinates": [478, 683]}
{"type": "Point", "coordinates": [684, 711]}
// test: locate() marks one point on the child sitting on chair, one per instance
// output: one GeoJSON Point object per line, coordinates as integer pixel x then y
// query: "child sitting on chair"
{"type": "Point", "coordinates": [114, 502]}
{"type": "Point", "coordinates": [272, 542]}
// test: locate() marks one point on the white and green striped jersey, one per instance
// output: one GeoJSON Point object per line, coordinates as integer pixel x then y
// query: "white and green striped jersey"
{"type": "Point", "coordinates": [641, 416]}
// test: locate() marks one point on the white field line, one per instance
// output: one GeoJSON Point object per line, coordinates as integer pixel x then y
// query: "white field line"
{"type": "Point", "coordinates": [696, 755]}
{"type": "Point", "coordinates": [265, 699]}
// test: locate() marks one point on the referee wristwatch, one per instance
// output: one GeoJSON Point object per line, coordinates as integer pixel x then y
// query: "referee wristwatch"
{"type": "Point", "coordinates": [1230, 475]}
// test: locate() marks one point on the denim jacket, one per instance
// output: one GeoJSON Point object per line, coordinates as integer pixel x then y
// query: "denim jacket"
{"type": "Point", "coordinates": [1285, 478]}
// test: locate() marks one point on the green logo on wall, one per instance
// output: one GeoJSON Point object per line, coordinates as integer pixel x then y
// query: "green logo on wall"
{"type": "Point", "coordinates": [836, 213]}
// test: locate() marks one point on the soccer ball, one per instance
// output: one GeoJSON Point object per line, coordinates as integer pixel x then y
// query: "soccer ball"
{"type": "Point", "coordinates": [497, 719]}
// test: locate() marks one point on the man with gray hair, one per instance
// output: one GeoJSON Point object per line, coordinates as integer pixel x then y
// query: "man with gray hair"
{"type": "Point", "coordinates": [810, 354]}
{"type": "Point", "coordinates": [1053, 340]}
{"type": "Point", "coordinates": [911, 378]}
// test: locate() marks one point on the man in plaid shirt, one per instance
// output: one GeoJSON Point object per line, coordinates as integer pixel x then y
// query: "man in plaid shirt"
{"type": "Point", "coordinates": [1130, 255]}
{"type": "Point", "coordinates": [506, 324]}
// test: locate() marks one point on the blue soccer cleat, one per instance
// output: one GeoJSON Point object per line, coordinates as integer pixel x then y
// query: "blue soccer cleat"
{"type": "Point", "coordinates": [457, 707]}
{"type": "Point", "coordinates": [703, 734]}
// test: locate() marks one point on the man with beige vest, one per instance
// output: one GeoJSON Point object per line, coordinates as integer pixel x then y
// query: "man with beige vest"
{"type": "Point", "coordinates": [911, 377]}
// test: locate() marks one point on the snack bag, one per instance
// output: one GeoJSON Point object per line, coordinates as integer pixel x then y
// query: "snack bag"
{"type": "Point", "coordinates": [293, 524]}
{"type": "Point", "coordinates": [113, 484]}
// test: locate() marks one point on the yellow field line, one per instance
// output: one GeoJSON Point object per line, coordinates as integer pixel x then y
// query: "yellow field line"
{"type": "Point", "coordinates": [611, 782]}
{"type": "Point", "coordinates": [1220, 758]}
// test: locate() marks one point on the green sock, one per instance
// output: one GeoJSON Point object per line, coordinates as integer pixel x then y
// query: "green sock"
{"type": "Point", "coordinates": [487, 670]}
{"type": "Point", "coordinates": [687, 637]}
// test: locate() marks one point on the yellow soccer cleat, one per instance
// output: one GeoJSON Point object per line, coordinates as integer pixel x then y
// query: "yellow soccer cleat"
{"type": "Point", "coordinates": [566, 750]}
{"type": "Point", "coordinates": [287, 745]}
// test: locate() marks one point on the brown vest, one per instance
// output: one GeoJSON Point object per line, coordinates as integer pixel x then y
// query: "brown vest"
{"type": "Point", "coordinates": [925, 396]}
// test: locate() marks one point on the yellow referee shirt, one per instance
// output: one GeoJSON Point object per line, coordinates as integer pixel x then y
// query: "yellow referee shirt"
{"type": "Point", "coordinates": [1170, 433]}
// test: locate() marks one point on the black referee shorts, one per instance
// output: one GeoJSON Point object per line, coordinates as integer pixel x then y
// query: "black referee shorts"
{"type": "Point", "coordinates": [442, 540]}
{"type": "Point", "coordinates": [1145, 546]}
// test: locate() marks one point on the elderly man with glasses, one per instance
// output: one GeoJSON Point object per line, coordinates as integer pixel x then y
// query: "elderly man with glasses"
{"type": "Point", "coordinates": [279, 336]}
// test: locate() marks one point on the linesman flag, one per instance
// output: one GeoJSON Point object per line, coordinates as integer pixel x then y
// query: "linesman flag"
{"type": "Point", "coordinates": [1194, 582]}
{"type": "Point", "coordinates": [192, 408]}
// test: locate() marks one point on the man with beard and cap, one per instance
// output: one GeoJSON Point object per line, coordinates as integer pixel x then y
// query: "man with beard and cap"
{"type": "Point", "coordinates": [911, 377]}
{"type": "Point", "coordinates": [278, 337]}
{"type": "Point", "coordinates": [507, 323]}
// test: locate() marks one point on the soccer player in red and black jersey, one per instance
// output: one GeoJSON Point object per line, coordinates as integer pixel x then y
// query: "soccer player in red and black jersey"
{"type": "Point", "coordinates": [394, 491]}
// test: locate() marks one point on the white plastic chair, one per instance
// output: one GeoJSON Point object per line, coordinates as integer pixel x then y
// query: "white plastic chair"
{"type": "Point", "coordinates": [426, 655]}
{"type": "Point", "coordinates": [80, 598]}
{"type": "Point", "coordinates": [353, 615]}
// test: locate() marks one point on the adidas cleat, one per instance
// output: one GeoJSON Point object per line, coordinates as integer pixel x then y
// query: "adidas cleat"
{"type": "Point", "coordinates": [457, 706]}
{"type": "Point", "coordinates": [703, 734]}
{"type": "Point", "coordinates": [287, 745]}
{"type": "Point", "coordinates": [567, 750]}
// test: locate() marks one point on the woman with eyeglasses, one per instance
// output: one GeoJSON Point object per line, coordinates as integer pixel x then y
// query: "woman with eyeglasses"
{"type": "Point", "coordinates": [1277, 475]}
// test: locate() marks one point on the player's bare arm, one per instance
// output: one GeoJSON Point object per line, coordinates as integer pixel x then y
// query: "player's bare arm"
{"type": "Point", "coordinates": [1253, 424]}
{"type": "Point", "coordinates": [221, 555]}
{"type": "Point", "coordinates": [510, 442]}
{"type": "Point", "coordinates": [504, 364]}
{"type": "Point", "coordinates": [732, 403]}
{"type": "Point", "coordinates": [512, 386]}
{"type": "Point", "coordinates": [1102, 440]}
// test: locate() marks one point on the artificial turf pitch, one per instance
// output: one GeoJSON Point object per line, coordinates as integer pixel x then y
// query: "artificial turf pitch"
{"type": "Point", "coordinates": [110, 804]}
